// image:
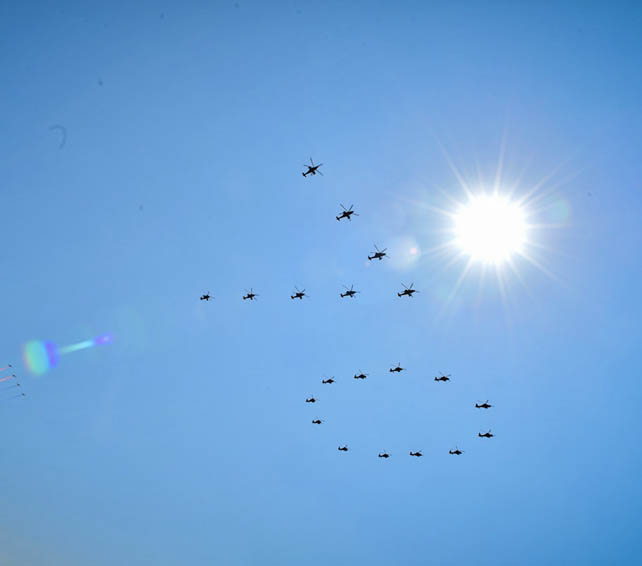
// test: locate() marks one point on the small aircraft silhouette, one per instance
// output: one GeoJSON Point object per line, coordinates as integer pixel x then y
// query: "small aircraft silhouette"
{"type": "Point", "coordinates": [361, 375]}
{"type": "Point", "coordinates": [456, 451]}
{"type": "Point", "coordinates": [397, 369]}
{"type": "Point", "coordinates": [329, 380]}
{"type": "Point", "coordinates": [206, 297]}
{"type": "Point", "coordinates": [251, 295]}
{"type": "Point", "coordinates": [418, 453]}
{"type": "Point", "coordinates": [443, 377]}
{"type": "Point", "coordinates": [349, 292]}
{"type": "Point", "coordinates": [384, 454]}
{"type": "Point", "coordinates": [298, 294]}
{"type": "Point", "coordinates": [343, 448]}
{"type": "Point", "coordinates": [407, 291]}
{"type": "Point", "coordinates": [378, 254]}
{"type": "Point", "coordinates": [484, 405]}
{"type": "Point", "coordinates": [310, 400]}
{"type": "Point", "coordinates": [485, 435]}
{"type": "Point", "coordinates": [347, 213]}
{"type": "Point", "coordinates": [312, 169]}
{"type": "Point", "coordinates": [317, 421]}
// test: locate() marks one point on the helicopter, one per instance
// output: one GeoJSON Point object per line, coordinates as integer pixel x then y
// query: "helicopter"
{"type": "Point", "coordinates": [251, 295]}
{"type": "Point", "coordinates": [317, 421]}
{"type": "Point", "coordinates": [485, 435]}
{"type": "Point", "coordinates": [347, 213]}
{"type": "Point", "coordinates": [343, 448]}
{"type": "Point", "coordinates": [418, 453]}
{"type": "Point", "coordinates": [310, 400]}
{"type": "Point", "coordinates": [456, 452]}
{"type": "Point", "coordinates": [407, 291]}
{"type": "Point", "coordinates": [328, 380]}
{"type": "Point", "coordinates": [298, 294]}
{"type": "Point", "coordinates": [397, 369]}
{"type": "Point", "coordinates": [349, 292]}
{"type": "Point", "coordinates": [443, 377]}
{"type": "Point", "coordinates": [484, 405]}
{"type": "Point", "coordinates": [206, 297]}
{"type": "Point", "coordinates": [384, 454]}
{"type": "Point", "coordinates": [361, 375]}
{"type": "Point", "coordinates": [378, 254]}
{"type": "Point", "coordinates": [312, 169]}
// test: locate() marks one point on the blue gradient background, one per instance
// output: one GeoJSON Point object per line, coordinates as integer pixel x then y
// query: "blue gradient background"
{"type": "Point", "coordinates": [186, 440]}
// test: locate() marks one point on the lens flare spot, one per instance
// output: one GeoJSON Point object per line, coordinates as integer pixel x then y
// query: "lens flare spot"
{"type": "Point", "coordinates": [39, 356]}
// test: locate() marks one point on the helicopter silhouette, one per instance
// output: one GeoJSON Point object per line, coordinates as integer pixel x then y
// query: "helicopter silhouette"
{"type": "Point", "coordinates": [251, 295]}
{"type": "Point", "coordinates": [317, 421]}
{"type": "Point", "coordinates": [328, 380]}
{"type": "Point", "coordinates": [343, 448]}
{"type": "Point", "coordinates": [407, 291]}
{"type": "Point", "coordinates": [397, 369]}
{"type": "Point", "coordinates": [310, 400]}
{"type": "Point", "coordinates": [312, 169]}
{"type": "Point", "coordinates": [347, 213]}
{"type": "Point", "coordinates": [384, 454]}
{"type": "Point", "coordinates": [418, 453]}
{"type": "Point", "coordinates": [456, 451]}
{"type": "Point", "coordinates": [298, 294]}
{"type": "Point", "coordinates": [349, 292]}
{"type": "Point", "coordinates": [443, 377]}
{"type": "Point", "coordinates": [484, 405]}
{"type": "Point", "coordinates": [485, 435]}
{"type": "Point", "coordinates": [378, 254]}
{"type": "Point", "coordinates": [206, 297]}
{"type": "Point", "coordinates": [361, 375]}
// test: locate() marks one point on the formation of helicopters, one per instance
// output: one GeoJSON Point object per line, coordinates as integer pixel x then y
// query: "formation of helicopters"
{"type": "Point", "coordinates": [397, 369]}
{"type": "Point", "coordinates": [350, 292]}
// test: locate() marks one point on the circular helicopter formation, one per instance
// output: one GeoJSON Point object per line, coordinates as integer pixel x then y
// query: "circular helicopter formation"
{"type": "Point", "coordinates": [350, 292]}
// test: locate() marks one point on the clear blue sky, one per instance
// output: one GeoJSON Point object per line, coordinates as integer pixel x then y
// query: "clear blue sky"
{"type": "Point", "coordinates": [187, 440]}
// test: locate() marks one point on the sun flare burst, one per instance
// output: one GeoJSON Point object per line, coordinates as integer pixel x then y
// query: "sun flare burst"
{"type": "Point", "coordinates": [490, 228]}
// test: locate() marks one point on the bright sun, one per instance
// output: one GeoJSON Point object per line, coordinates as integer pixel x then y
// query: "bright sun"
{"type": "Point", "coordinates": [490, 229]}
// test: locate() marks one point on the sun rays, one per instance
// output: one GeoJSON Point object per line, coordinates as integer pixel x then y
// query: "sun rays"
{"type": "Point", "coordinates": [487, 229]}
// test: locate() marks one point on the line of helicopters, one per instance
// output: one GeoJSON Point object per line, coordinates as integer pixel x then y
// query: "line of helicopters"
{"type": "Point", "coordinates": [349, 292]}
